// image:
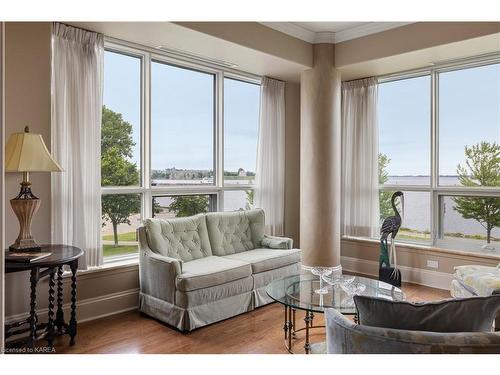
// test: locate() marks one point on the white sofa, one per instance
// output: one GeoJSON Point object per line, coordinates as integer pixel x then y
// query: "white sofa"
{"type": "Point", "coordinates": [202, 269]}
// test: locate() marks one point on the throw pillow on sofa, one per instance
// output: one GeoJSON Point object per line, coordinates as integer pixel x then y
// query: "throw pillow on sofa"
{"type": "Point", "coordinates": [474, 314]}
{"type": "Point", "coordinates": [275, 242]}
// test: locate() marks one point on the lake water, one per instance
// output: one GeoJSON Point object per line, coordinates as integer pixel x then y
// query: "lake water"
{"type": "Point", "coordinates": [417, 208]}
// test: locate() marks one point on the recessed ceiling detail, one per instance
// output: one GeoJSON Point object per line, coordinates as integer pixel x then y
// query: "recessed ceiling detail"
{"type": "Point", "coordinates": [331, 32]}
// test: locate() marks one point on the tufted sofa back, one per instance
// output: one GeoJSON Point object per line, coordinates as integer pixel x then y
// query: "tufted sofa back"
{"type": "Point", "coordinates": [234, 232]}
{"type": "Point", "coordinates": [184, 238]}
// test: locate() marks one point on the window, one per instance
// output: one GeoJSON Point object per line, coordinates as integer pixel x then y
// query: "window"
{"type": "Point", "coordinates": [469, 114]}
{"type": "Point", "coordinates": [404, 112]}
{"type": "Point", "coordinates": [121, 216]}
{"type": "Point", "coordinates": [120, 152]}
{"type": "Point", "coordinates": [465, 221]}
{"type": "Point", "coordinates": [121, 121]}
{"type": "Point", "coordinates": [182, 126]}
{"type": "Point", "coordinates": [415, 210]}
{"type": "Point", "coordinates": [238, 200]}
{"type": "Point", "coordinates": [164, 145]}
{"type": "Point", "coordinates": [241, 119]}
{"type": "Point", "coordinates": [439, 143]}
{"type": "Point", "coordinates": [170, 206]}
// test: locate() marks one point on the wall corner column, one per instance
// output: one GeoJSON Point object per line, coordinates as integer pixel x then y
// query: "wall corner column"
{"type": "Point", "coordinates": [320, 160]}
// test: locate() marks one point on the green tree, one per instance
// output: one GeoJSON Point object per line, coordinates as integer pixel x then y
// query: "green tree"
{"type": "Point", "coordinates": [384, 196]}
{"type": "Point", "coordinates": [117, 170]}
{"type": "Point", "coordinates": [250, 199]}
{"type": "Point", "coordinates": [482, 168]}
{"type": "Point", "coordinates": [157, 209]}
{"type": "Point", "coordinates": [189, 205]}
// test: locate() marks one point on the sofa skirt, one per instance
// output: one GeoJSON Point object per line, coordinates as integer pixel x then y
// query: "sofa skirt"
{"type": "Point", "coordinates": [262, 279]}
{"type": "Point", "coordinates": [196, 310]}
{"type": "Point", "coordinates": [196, 316]}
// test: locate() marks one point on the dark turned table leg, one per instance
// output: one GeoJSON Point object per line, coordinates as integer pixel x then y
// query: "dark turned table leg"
{"type": "Point", "coordinates": [60, 313]}
{"type": "Point", "coordinates": [50, 323]}
{"type": "Point", "coordinates": [285, 326]}
{"type": "Point", "coordinates": [72, 321]}
{"type": "Point", "coordinates": [308, 320]}
{"type": "Point", "coordinates": [290, 328]}
{"type": "Point", "coordinates": [33, 316]}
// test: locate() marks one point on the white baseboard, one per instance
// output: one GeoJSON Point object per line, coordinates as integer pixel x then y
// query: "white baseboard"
{"type": "Point", "coordinates": [110, 304]}
{"type": "Point", "coordinates": [419, 276]}
{"type": "Point", "coordinates": [92, 308]}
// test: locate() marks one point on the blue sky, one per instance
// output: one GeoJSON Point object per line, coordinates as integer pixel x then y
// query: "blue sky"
{"type": "Point", "coordinates": [469, 112]}
{"type": "Point", "coordinates": [122, 91]}
{"type": "Point", "coordinates": [182, 114]}
{"type": "Point", "coordinates": [241, 120]}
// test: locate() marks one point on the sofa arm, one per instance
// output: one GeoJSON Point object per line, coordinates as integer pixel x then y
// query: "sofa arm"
{"type": "Point", "coordinates": [158, 274]}
{"type": "Point", "coordinates": [274, 242]}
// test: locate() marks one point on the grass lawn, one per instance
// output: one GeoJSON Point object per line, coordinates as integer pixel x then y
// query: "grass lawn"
{"type": "Point", "coordinates": [129, 236]}
{"type": "Point", "coordinates": [111, 250]}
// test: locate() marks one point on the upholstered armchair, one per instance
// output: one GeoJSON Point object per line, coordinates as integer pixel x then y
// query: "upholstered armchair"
{"type": "Point", "coordinates": [345, 337]}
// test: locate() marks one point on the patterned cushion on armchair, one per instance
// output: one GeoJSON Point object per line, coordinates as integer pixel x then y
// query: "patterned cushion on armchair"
{"type": "Point", "coordinates": [480, 280]}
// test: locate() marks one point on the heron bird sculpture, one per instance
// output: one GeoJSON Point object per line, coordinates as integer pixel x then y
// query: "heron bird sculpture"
{"type": "Point", "coordinates": [388, 270]}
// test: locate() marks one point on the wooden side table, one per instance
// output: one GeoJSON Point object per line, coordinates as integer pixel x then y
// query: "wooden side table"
{"type": "Point", "coordinates": [50, 266]}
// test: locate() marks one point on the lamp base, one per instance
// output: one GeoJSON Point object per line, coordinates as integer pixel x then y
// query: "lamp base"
{"type": "Point", "coordinates": [25, 209]}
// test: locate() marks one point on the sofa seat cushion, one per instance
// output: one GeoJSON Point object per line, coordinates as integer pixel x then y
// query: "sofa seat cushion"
{"type": "Point", "coordinates": [267, 259]}
{"type": "Point", "coordinates": [211, 294]}
{"type": "Point", "coordinates": [211, 271]}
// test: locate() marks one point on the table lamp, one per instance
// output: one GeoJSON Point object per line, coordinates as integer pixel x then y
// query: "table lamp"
{"type": "Point", "coordinates": [26, 152]}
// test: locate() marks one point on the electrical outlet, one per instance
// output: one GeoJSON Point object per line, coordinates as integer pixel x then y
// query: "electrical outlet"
{"type": "Point", "coordinates": [432, 264]}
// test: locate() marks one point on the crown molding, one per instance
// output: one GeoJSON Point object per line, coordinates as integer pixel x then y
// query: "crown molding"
{"type": "Point", "coordinates": [325, 37]}
{"type": "Point", "coordinates": [367, 29]}
{"type": "Point", "coordinates": [293, 30]}
{"type": "Point", "coordinates": [309, 36]}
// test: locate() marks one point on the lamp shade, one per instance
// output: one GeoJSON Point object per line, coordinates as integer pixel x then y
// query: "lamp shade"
{"type": "Point", "coordinates": [26, 152]}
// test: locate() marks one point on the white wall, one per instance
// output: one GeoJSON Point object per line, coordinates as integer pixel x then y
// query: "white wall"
{"type": "Point", "coordinates": [27, 102]}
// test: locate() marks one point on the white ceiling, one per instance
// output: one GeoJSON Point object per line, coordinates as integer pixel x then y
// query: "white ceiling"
{"type": "Point", "coordinates": [185, 40]}
{"type": "Point", "coordinates": [331, 32]}
{"type": "Point", "coordinates": [332, 27]}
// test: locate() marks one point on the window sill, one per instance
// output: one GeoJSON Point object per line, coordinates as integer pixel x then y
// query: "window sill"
{"type": "Point", "coordinates": [113, 261]}
{"type": "Point", "coordinates": [443, 247]}
{"type": "Point", "coordinates": [117, 265]}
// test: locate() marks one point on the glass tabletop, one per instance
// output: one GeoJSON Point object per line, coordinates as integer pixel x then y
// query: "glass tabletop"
{"type": "Point", "coordinates": [298, 293]}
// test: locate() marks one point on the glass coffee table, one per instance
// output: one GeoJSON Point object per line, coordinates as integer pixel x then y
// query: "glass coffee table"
{"type": "Point", "coordinates": [297, 293]}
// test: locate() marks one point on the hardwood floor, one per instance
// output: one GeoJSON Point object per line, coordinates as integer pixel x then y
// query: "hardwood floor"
{"type": "Point", "coordinates": [259, 331]}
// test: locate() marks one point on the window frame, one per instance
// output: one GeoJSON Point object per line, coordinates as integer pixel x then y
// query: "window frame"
{"type": "Point", "coordinates": [436, 190]}
{"type": "Point", "coordinates": [147, 56]}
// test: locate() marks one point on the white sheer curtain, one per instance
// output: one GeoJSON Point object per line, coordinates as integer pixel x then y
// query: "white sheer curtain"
{"type": "Point", "coordinates": [77, 73]}
{"type": "Point", "coordinates": [270, 174]}
{"type": "Point", "coordinates": [360, 157]}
